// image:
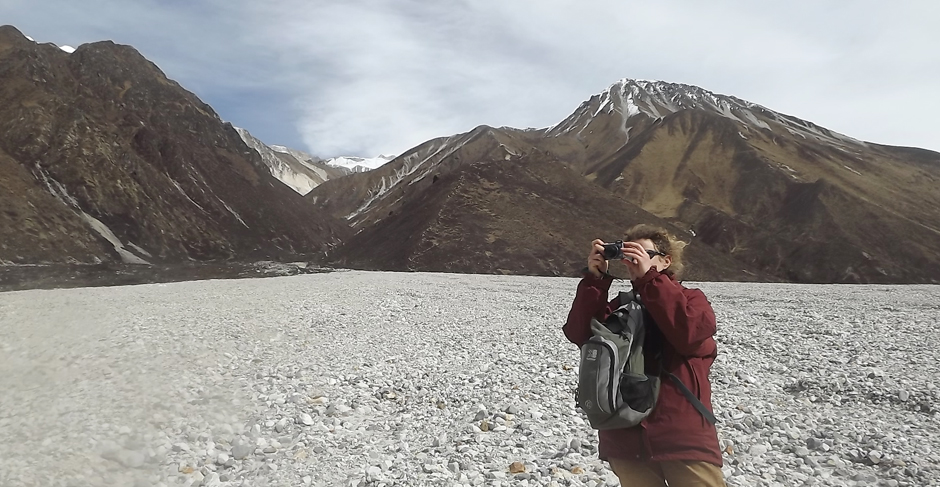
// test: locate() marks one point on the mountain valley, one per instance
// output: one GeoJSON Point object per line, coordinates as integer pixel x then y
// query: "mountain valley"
{"type": "Point", "coordinates": [107, 163]}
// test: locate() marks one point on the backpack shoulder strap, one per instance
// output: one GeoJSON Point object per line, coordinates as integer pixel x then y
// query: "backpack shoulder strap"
{"type": "Point", "coordinates": [616, 326]}
{"type": "Point", "coordinates": [625, 297]}
{"type": "Point", "coordinates": [694, 400]}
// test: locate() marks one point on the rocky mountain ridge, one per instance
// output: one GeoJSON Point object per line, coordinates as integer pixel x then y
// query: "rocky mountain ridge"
{"type": "Point", "coordinates": [785, 198]}
{"type": "Point", "coordinates": [105, 159]}
{"type": "Point", "coordinates": [657, 99]}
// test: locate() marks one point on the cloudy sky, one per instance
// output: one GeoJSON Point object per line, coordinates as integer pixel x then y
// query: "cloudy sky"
{"type": "Point", "coordinates": [364, 77]}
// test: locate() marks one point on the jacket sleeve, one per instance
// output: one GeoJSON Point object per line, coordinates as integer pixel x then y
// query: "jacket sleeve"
{"type": "Point", "coordinates": [684, 316]}
{"type": "Point", "coordinates": [590, 301]}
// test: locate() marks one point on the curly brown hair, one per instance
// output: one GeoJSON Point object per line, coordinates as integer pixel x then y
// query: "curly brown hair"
{"type": "Point", "coordinates": [663, 241]}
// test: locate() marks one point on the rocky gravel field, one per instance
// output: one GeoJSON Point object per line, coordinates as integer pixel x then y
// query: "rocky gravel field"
{"type": "Point", "coordinates": [367, 378]}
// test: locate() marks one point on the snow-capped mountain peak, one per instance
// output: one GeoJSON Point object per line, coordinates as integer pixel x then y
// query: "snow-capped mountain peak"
{"type": "Point", "coordinates": [360, 164]}
{"type": "Point", "coordinates": [658, 99]}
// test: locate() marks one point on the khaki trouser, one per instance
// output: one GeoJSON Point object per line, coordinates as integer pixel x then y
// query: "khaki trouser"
{"type": "Point", "coordinates": [672, 473]}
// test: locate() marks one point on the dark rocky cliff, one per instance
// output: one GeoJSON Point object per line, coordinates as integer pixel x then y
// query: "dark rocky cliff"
{"type": "Point", "coordinates": [103, 158]}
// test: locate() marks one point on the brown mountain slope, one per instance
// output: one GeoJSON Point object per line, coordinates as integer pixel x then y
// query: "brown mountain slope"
{"type": "Point", "coordinates": [531, 216]}
{"type": "Point", "coordinates": [779, 196]}
{"type": "Point", "coordinates": [34, 224]}
{"type": "Point", "coordinates": [109, 159]}
{"type": "Point", "coordinates": [366, 198]}
{"type": "Point", "coordinates": [796, 208]}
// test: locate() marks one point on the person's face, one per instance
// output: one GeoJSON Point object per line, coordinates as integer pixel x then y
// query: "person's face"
{"type": "Point", "coordinates": [660, 262]}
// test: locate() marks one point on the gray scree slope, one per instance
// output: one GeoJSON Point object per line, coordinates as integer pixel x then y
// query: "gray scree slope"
{"type": "Point", "coordinates": [367, 378]}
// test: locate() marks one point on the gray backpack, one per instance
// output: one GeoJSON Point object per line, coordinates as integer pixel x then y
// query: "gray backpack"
{"type": "Point", "coordinates": [614, 387]}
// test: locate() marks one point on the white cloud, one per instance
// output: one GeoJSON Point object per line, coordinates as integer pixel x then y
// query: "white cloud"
{"type": "Point", "coordinates": [361, 77]}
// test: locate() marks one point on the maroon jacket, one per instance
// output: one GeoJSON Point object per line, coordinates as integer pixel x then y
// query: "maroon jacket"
{"type": "Point", "coordinates": [674, 430]}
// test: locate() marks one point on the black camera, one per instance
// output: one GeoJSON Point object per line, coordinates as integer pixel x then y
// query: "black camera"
{"type": "Point", "coordinates": [613, 250]}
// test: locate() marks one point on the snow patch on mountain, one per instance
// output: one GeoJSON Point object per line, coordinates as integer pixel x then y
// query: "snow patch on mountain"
{"type": "Point", "coordinates": [126, 256]}
{"type": "Point", "coordinates": [235, 214]}
{"type": "Point", "coordinates": [298, 181]}
{"type": "Point", "coordinates": [360, 164]}
{"type": "Point", "coordinates": [180, 188]}
{"type": "Point", "coordinates": [297, 154]}
{"type": "Point", "coordinates": [59, 192]}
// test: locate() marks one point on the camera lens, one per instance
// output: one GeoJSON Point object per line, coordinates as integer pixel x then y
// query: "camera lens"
{"type": "Point", "coordinates": [613, 250]}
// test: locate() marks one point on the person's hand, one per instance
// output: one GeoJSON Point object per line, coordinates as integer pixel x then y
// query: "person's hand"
{"type": "Point", "coordinates": [636, 259]}
{"type": "Point", "coordinates": [597, 265]}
